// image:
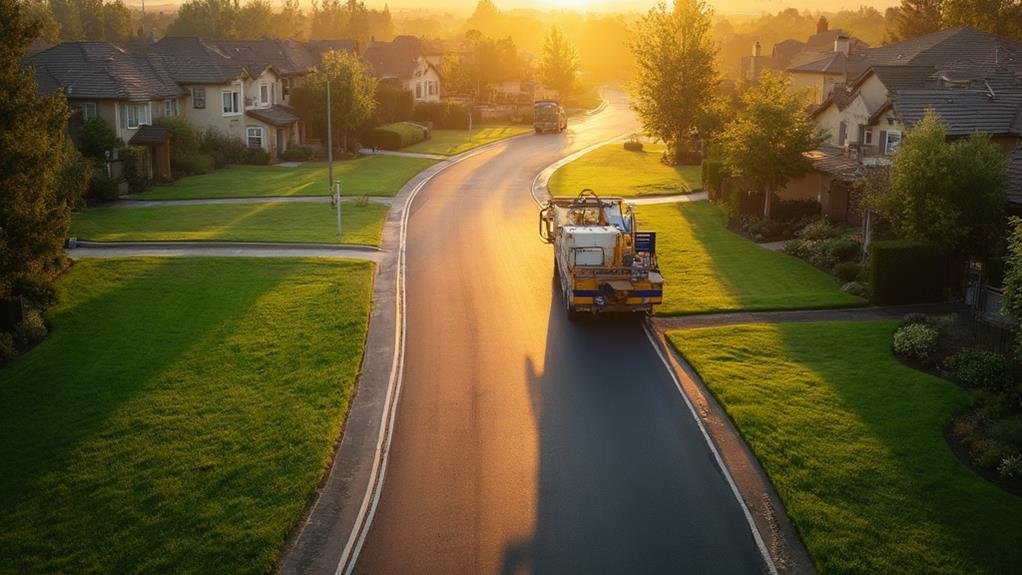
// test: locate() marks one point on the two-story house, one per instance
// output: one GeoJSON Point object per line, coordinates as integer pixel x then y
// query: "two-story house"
{"type": "Point", "coordinates": [404, 62]}
{"type": "Point", "coordinates": [972, 79]}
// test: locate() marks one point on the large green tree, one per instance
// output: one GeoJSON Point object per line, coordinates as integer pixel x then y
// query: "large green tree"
{"type": "Point", "coordinates": [917, 17]}
{"type": "Point", "coordinates": [676, 80]}
{"type": "Point", "coordinates": [558, 66]}
{"type": "Point", "coordinates": [35, 211]}
{"type": "Point", "coordinates": [766, 145]}
{"type": "Point", "coordinates": [946, 192]}
{"type": "Point", "coordinates": [1001, 17]}
{"type": "Point", "coordinates": [215, 19]}
{"type": "Point", "coordinates": [352, 95]}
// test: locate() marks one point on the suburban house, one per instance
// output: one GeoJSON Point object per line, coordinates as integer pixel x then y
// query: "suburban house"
{"type": "Point", "coordinates": [816, 65]}
{"type": "Point", "coordinates": [240, 87]}
{"type": "Point", "coordinates": [126, 90]}
{"type": "Point", "coordinates": [406, 63]}
{"type": "Point", "coordinates": [972, 79]}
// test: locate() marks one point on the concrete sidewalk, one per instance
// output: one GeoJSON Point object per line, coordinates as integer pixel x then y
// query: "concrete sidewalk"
{"type": "Point", "coordinates": [253, 200]}
{"type": "Point", "coordinates": [369, 152]}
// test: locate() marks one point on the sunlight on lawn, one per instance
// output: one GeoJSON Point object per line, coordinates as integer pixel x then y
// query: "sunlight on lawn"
{"type": "Point", "coordinates": [853, 442]}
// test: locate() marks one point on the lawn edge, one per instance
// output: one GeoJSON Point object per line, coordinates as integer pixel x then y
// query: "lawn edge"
{"type": "Point", "coordinates": [775, 529]}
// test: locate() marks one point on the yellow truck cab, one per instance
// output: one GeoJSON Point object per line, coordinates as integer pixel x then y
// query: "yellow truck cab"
{"type": "Point", "coordinates": [603, 263]}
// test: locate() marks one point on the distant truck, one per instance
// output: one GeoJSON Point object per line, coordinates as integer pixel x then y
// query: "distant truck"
{"type": "Point", "coordinates": [603, 262]}
{"type": "Point", "coordinates": [548, 116]}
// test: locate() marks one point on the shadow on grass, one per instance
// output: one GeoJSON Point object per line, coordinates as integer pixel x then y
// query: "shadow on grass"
{"type": "Point", "coordinates": [101, 353]}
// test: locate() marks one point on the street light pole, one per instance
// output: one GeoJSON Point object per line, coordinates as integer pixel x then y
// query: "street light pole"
{"type": "Point", "coordinates": [329, 139]}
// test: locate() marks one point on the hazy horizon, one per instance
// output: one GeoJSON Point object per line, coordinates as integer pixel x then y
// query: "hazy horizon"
{"type": "Point", "coordinates": [465, 7]}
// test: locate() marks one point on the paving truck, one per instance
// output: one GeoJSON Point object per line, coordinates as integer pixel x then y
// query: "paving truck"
{"type": "Point", "coordinates": [603, 263]}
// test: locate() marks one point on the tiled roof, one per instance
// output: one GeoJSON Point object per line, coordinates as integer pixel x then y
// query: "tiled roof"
{"type": "Point", "coordinates": [900, 77]}
{"type": "Point", "coordinates": [396, 59]}
{"type": "Point", "coordinates": [149, 135]}
{"type": "Point", "coordinates": [102, 71]}
{"type": "Point", "coordinates": [833, 63]}
{"type": "Point", "coordinates": [833, 160]}
{"type": "Point", "coordinates": [277, 115]}
{"type": "Point", "coordinates": [964, 111]}
{"type": "Point", "coordinates": [940, 48]}
{"type": "Point", "coordinates": [1013, 188]}
{"type": "Point", "coordinates": [197, 61]}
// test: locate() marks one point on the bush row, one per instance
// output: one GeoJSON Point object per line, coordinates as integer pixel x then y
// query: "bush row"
{"type": "Point", "coordinates": [395, 136]}
{"type": "Point", "coordinates": [442, 115]}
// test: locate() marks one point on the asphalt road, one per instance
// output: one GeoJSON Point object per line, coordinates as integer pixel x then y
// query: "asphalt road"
{"type": "Point", "coordinates": [524, 443]}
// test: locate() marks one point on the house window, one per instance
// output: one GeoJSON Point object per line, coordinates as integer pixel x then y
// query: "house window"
{"type": "Point", "coordinates": [255, 137]}
{"type": "Point", "coordinates": [264, 94]}
{"type": "Point", "coordinates": [231, 101]}
{"type": "Point", "coordinates": [892, 143]}
{"type": "Point", "coordinates": [867, 137]}
{"type": "Point", "coordinates": [285, 87]}
{"type": "Point", "coordinates": [432, 88]}
{"type": "Point", "coordinates": [198, 98]}
{"type": "Point", "coordinates": [88, 110]}
{"type": "Point", "coordinates": [418, 90]}
{"type": "Point", "coordinates": [170, 107]}
{"type": "Point", "coordinates": [135, 115]}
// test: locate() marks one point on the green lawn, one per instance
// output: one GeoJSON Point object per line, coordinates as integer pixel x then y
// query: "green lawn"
{"type": "Point", "coordinates": [451, 142]}
{"type": "Point", "coordinates": [372, 176]}
{"type": "Point", "coordinates": [853, 442]}
{"type": "Point", "coordinates": [614, 171]}
{"type": "Point", "coordinates": [180, 415]}
{"type": "Point", "coordinates": [707, 268]}
{"type": "Point", "coordinates": [267, 222]}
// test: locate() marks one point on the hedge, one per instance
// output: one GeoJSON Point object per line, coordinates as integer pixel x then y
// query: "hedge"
{"type": "Point", "coordinates": [906, 271]}
{"type": "Point", "coordinates": [713, 177]}
{"type": "Point", "coordinates": [395, 136]}
{"type": "Point", "coordinates": [442, 115]}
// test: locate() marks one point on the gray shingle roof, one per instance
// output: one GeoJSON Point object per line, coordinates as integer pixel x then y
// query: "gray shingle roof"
{"type": "Point", "coordinates": [149, 135]}
{"type": "Point", "coordinates": [833, 160]}
{"type": "Point", "coordinates": [964, 111]}
{"type": "Point", "coordinates": [833, 63]}
{"type": "Point", "coordinates": [277, 115]}
{"type": "Point", "coordinates": [940, 48]}
{"type": "Point", "coordinates": [196, 61]}
{"type": "Point", "coordinates": [396, 59]}
{"type": "Point", "coordinates": [102, 71]}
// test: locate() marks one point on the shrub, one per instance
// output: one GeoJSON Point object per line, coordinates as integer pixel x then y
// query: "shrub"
{"type": "Point", "coordinates": [393, 104]}
{"type": "Point", "coordinates": [185, 138]}
{"type": "Point", "coordinates": [102, 187]}
{"type": "Point", "coordinates": [298, 154]}
{"type": "Point", "coordinates": [1010, 466]}
{"type": "Point", "coordinates": [847, 271]}
{"type": "Point", "coordinates": [96, 138]}
{"type": "Point", "coordinates": [974, 367]}
{"type": "Point", "coordinates": [395, 136]}
{"type": "Point", "coordinates": [7, 349]}
{"type": "Point", "coordinates": [844, 249]}
{"type": "Point", "coordinates": [37, 290]}
{"type": "Point", "coordinates": [989, 453]}
{"type": "Point", "coordinates": [133, 167]}
{"type": "Point", "coordinates": [194, 164]}
{"type": "Point", "coordinates": [633, 145]}
{"type": "Point", "coordinates": [917, 341]}
{"type": "Point", "coordinates": [816, 252]}
{"type": "Point", "coordinates": [713, 177]}
{"type": "Point", "coordinates": [224, 149]}
{"type": "Point", "coordinates": [1008, 429]}
{"type": "Point", "coordinates": [30, 331]}
{"type": "Point", "coordinates": [257, 157]}
{"type": "Point", "coordinates": [442, 115]}
{"type": "Point", "coordinates": [914, 317]}
{"type": "Point", "coordinates": [794, 210]}
{"type": "Point", "coordinates": [76, 178]}
{"type": "Point", "coordinates": [818, 230]}
{"type": "Point", "coordinates": [905, 271]}
{"type": "Point", "coordinates": [860, 289]}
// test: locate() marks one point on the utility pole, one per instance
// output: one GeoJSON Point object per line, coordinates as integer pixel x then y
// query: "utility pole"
{"type": "Point", "coordinates": [329, 140]}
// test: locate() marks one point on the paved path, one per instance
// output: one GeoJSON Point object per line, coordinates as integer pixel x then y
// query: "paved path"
{"type": "Point", "coordinates": [672, 199]}
{"type": "Point", "coordinates": [259, 200]}
{"type": "Point", "coordinates": [222, 249]}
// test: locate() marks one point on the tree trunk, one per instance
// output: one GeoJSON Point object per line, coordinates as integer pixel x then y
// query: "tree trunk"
{"type": "Point", "coordinates": [768, 202]}
{"type": "Point", "coordinates": [345, 141]}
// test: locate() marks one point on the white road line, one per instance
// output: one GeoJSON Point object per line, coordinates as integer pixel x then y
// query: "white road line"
{"type": "Point", "coordinates": [716, 454]}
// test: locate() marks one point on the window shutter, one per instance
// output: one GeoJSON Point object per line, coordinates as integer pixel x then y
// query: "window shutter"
{"type": "Point", "coordinates": [842, 134]}
{"type": "Point", "coordinates": [882, 144]}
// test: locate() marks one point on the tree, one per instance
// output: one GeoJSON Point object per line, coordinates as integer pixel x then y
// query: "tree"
{"type": "Point", "coordinates": [1001, 17]}
{"type": "Point", "coordinates": [216, 19]}
{"type": "Point", "coordinates": [1012, 284]}
{"type": "Point", "coordinates": [918, 17]}
{"type": "Point", "coordinates": [291, 21]}
{"type": "Point", "coordinates": [945, 192]}
{"type": "Point", "coordinates": [558, 67]}
{"type": "Point", "coordinates": [767, 144]}
{"type": "Point", "coordinates": [676, 78]}
{"type": "Point", "coordinates": [39, 13]}
{"type": "Point", "coordinates": [352, 95]}
{"type": "Point", "coordinates": [35, 210]}
{"type": "Point", "coordinates": [116, 22]}
{"type": "Point", "coordinates": [256, 20]}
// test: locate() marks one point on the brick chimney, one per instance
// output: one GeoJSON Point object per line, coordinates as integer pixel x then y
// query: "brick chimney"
{"type": "Point", "coordinates": [821, 25]}
{"type": "Point", "coordinates": [757, 51]}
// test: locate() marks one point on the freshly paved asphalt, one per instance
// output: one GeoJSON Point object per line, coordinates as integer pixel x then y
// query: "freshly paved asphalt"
{"type": "Point", "coordinates": [524, 442]}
